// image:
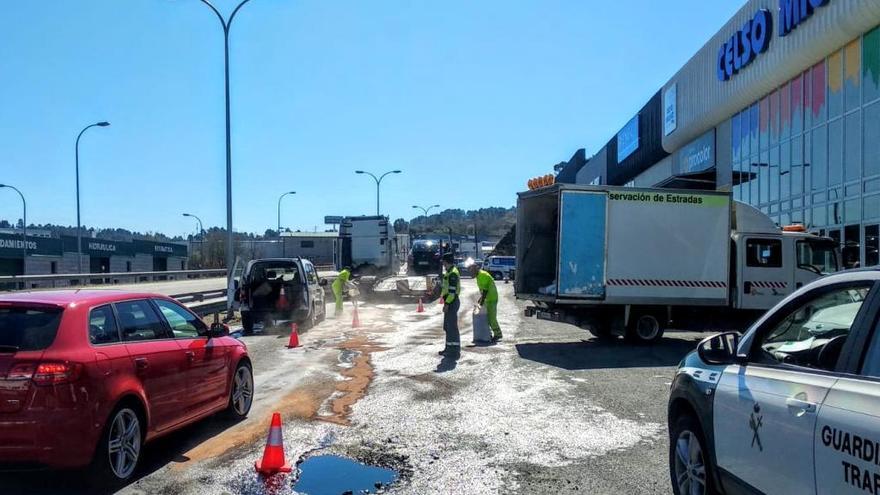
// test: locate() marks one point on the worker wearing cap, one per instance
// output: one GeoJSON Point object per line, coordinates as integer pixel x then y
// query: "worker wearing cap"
{"type": "Point", "coordinates": [488, 299]}
{"type": "Point", "coordinates": [451, 289]}
{"type": "Point", "coordinates": [338, 285]}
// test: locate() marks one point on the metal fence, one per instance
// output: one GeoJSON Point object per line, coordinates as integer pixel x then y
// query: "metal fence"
{"type": "Point", "coordinates": [26, 282]}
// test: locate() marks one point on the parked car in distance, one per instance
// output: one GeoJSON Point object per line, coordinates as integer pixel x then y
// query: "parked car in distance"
{"type": "Point", "coordinates": [277, 289]}
{"type": "Point", "coordinates": [501, 266]}
{"type": "Point", "coordinates": [87, 377]}
{"type": "Point", "coordinates": [424, 257]}
{"type": "Point", "coordinates": [792, 406]}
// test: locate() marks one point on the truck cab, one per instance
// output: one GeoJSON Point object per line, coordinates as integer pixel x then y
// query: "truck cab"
{"type": "Point", "coordinates": [272, 289]}
{"type": "Point", "coordinates": [771, 263]}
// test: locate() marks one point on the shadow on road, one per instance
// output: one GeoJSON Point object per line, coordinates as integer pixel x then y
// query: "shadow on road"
{"type": "Point", "coordinates": [601, 354]}
{"type": "Point", "coordinates": [446, 364]}
{"type": "Point", "coordinates": [166, 450]}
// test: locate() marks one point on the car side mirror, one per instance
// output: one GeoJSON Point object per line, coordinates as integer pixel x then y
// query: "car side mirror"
{"type": "Point", "coordinates": [719, 349]}
{"type": "Point", "coordinates": [218, 330]}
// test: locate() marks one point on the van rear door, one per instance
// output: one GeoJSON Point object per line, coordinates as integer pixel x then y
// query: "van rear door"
{"type": "Point", "coordinates": [581, 267]}
{"type": "Point", "coordinates": [233, 285]}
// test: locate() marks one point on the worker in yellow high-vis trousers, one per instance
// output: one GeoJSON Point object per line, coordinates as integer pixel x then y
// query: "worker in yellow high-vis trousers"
{"type": "Point", "coordinates": [451, 290]}
{"type": "Point", "coordinates": [488, 299]}
{"type": "Point", "coordinates": [338, 285]}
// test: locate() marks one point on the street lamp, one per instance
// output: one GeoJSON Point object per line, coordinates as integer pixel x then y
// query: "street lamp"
{"type": "Point", "coordinates": [426, 210]}
{"type": "Point", "coordinates": [378, 182]}
{"type": "Point", "coordinates": [279, 209]}
{"type": "Point", "coordinates": [78, 225]}
{"type": "Point", "coordinates": [23, 226]}
{"type": "Point", "coordinates": [201, 236]}
{"type": "Point", "coordinates": [230, 258]}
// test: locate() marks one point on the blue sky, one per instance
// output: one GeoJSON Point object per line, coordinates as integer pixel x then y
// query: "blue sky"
{"type": "Point", "coordinates": [470, 99]}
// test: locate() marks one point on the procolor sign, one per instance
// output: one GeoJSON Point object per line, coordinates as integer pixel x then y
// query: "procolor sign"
{"type": "Point", "coordinates": [745, 45]}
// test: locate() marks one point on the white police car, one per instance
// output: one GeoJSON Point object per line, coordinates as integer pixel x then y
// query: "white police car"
{"type": "Point", "coordinates": [793, 406]}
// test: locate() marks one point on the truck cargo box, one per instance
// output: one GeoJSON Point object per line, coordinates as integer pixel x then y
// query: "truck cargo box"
{"type": "Point", "coordinates": [615, 245]}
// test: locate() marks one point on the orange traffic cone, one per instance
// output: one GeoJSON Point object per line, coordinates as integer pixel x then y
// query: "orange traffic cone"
{"type": "Point", "coordinates": [355, 322]}
{"type": "Point", "coordinates": [294, 336]}
{"type": "Point", "coordinates": [273, 456]}
{"type": "Point", "coordinates": [282, 299]}
{"type": "Point", "coordinates": [420, 309]}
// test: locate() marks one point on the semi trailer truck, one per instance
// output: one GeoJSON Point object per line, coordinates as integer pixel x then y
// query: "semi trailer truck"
{"type": "Point", "coordinates": [632, 262]}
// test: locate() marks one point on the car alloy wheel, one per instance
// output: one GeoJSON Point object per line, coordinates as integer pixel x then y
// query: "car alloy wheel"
{"type": "Point", "coordinates": [690, 466]}
{"type": "Point", "coordinates": [242, 391]}
{"type": "Point", "coordinates": [124, 443]}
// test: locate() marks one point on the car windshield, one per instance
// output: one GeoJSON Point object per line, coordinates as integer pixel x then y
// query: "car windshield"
{"type": "Point", "coordinates": [24, 328]}
{"type": "Point", "coordinates": [425, 247]}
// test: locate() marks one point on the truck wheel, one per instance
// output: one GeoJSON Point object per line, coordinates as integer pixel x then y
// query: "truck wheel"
{"type": "Point", "coordinates": [644, 328]}
{"type": "Point", "coordinates": [247, 323]}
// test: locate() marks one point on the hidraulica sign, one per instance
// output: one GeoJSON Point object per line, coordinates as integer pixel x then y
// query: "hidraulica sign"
{"type": "Point", "coordinates": [754, 37]}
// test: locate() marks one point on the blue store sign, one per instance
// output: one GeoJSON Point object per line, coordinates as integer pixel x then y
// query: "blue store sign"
{"type": "Point", "coordinates": [628, 139]}
{"type": "Point", "coordinates": [794, 12]}
{"type": "Point", "coordinates": [698, 155]}
{"type": "Point", "coordinates": [746, 44]}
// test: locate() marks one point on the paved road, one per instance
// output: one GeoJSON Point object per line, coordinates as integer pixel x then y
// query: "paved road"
{"type": "Point", "coordinates": [549, 410]}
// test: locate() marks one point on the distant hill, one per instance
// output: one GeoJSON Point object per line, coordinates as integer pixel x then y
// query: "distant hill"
{"type": "Point", "coordinates": [493, 221]}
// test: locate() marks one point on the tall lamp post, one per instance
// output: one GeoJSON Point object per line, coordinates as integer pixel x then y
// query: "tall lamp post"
{"type": "Point", "coordinates": [378, 183]}
{"type": "Point", "coordinates": [426, 210]}
{"type": "Point", "coordinates": [23, 226]}
{"type": "Point", "coordinates": [79, 262]}
{"type": "Point", "coordinates": [227, 23]}
{"type": "Point", "coordinates": [201, 235]}
{"type": "Point", "coordinates": [279, 209]}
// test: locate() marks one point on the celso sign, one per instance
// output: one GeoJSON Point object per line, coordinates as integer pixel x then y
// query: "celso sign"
{"type": "Point", "coordinates": [746, 44]}
{"type": "Point", "coordinates": [794, 12]}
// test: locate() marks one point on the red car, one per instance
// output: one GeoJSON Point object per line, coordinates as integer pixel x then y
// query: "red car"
{"type": "Point", "coordinates": [88, 376]}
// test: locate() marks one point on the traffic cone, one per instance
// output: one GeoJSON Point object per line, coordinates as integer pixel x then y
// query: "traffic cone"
{"type": "Point", "coordinates": [282, 299]}
{"type": "Point", "coordinates": [294, 336]}
{"type": "Point", "coordinates": [273, 457]}
{"type": "Point", "coordinates": [420, 309]}
{"type": "Point", "coordinates": [355, 322]}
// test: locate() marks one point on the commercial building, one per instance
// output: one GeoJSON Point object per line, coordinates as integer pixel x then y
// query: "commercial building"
{"type": "Point", "coordinates": [782, 108]}
{"type": "Point", "coordinates": [45, 256]}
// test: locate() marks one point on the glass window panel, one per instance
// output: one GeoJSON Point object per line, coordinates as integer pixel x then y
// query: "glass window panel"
{"type": "Point", "coordinates": [754, 112]}
{"type": "Point", "coordinates": [852, 75]}
{"type": "Point", "coordinates": [785, 111]}
{"type": "Point", "coordinates": [872, 185]}
{"type": "Point", "coordinates": [872, 245]}
{"type": "Point", "coordinates": [835, 214]}
{"type": "Point", "coordinates": [852, 152]}
{"type": "Point", "coordinates": [819, 216]}
{"type": "Point", "coordinates": [764, 173]}
{"type": "Point", "coordinates": [744, 134]}
{"type": "Point", "coordinates": [754, 192]}
{"type": "Point", "coordinates": [835, 84]}
{"type": "Point", "coordinates": [764, 123]}
{"type": "Point", "coordinates": [872, 207]}
{"type": "Point", "coordinates": [785, 219]}
{"type": "Point", "coordinates": [808, 100]}
{"type": "Point", "coordinates": [785, 170]}
{"type": "Point", "coordinates": [737, 192]}
{"type": "Point", "coordinates": [871, 65]}
{"type": "Point", "coordinates": [835, 151]}
{"type": "Point", "coordinates": [797, 105]}
{"type": "Point", "coordinates": [853, 190]}
{"type": "Point", "coordinates": [872, 140]}
{"type": "Point", "coordinates": [746, 184]}
{"type": "Point", "coordinates": [797, 166]}
{"type": "Point", "coordinates": [797, 203]}
{"type": "Point", "coordinates": [734, 137]}
{"type": "Point", "coordinates": [818, 101]}
{"type": "Point", "coordinates": [774, 118]}
{"type": "Point", "coordinates": [773, 172]}
{"type": "Point", "coordinates": [853, 210]}
{"type": "Point", "coordinates": [819, 159]}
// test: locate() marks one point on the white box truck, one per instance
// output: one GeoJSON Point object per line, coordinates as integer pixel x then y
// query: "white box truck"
{"type": "Point", "coordinates": [633, 262]}
{"type": "Point", "coordinates": [368, 246]}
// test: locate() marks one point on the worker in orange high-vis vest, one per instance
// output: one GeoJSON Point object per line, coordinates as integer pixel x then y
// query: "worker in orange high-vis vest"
{"type": "Point", "coordinates": [488, 299]}
{"type": "Point", "coordinates": [451, 290]}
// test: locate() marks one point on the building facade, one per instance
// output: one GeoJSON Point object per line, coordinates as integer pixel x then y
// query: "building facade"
{"type": "Point", "coordinates": [47, 256]}
{"type": "Point", "coordinates": [782, 108]}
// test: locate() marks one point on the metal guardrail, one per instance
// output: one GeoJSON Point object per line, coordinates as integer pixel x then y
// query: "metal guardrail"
{"type": "Point", "coordinates": [17, 282]}
{"type": "Point", "coordinates": [204, 302]}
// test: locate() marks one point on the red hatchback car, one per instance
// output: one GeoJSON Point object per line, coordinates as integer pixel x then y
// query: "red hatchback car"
{"type": "Point", "coordinates": [88, 376]}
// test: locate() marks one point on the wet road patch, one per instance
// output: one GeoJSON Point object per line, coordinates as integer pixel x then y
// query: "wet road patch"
{"type": "Point", "coordinates": [332, 475]}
